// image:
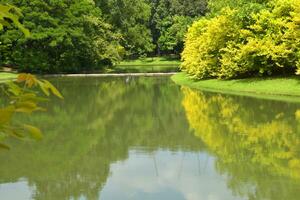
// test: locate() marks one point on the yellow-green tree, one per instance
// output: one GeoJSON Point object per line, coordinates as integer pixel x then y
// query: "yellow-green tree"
{"type": "Point", "coordinates": [246, 40]}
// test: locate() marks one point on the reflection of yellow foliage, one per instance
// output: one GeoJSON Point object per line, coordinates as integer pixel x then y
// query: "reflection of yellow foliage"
{"type": "Point", "coordinates": [231, 130]}
{"type": "Point", "coordinates": [297, 114]}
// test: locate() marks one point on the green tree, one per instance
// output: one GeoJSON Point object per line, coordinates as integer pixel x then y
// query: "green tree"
{"type": "Point", "coordinates": [129, 18]}
{"type": "Point", "coordinates": [66, 36]}
{"type": "Point", "coordinates": [216, 6]}
{"type": "Point", "coordinates": [254, 38]}
{"type": "Point", "coordinates": [19, 97]}
{"type": "Point", "coordinates": [170, 20]}
{"type": "Point", "coordinates": [9, 16]}
{"type": "Point", "coordinates": [173, 32]}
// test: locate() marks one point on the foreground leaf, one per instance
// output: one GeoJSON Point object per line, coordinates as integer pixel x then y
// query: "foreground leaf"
{"type": "Point", "coordinates": [33, 131]}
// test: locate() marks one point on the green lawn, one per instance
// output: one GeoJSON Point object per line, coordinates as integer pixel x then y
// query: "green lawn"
{"type": "Point", "coordinates": [282, 88]}
{"type": "Point", "coordinates": [4, 76]}
{"type": "Point", "coordinates": [147, 65]}
{"type": "Point", "coordinates": [155, 61]}
{"type": "Point", "coordinates": [143, 69]}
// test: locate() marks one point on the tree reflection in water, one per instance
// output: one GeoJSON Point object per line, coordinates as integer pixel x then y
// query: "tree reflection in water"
{"type": "Point", "coordinates": [256, 142]}
{"type": "Point", "coordinates": [96, 125]}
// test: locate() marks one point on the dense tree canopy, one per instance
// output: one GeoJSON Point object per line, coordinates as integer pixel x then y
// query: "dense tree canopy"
{"type": "Point", "coordinates": [170, 20]}
{"type": "Point", "coordinates": [228, 38]}
{"type": "Point", "coordinates": [66, 36]}
{"type": "Point", "coordinates": [130, 19]}
{"type": "Point", "coordinates": [84, 35]}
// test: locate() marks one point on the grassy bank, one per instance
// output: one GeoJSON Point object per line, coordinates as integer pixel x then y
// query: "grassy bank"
{"type": "Point", "coordinates": [154, 61]}
{"type": "Point", "coordinates": [143, 69]}
{"type": "Point", "coordinates": [147, 65]}
{"type": "Point", "coordinates": [4, 76]}
{"type": "Point", "coordinates": [281, 88]}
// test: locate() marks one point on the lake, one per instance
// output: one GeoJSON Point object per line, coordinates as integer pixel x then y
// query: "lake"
{"type": "Point", "coordinates": [148, 139]}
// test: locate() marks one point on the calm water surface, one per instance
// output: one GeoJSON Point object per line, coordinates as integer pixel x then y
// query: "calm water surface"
{"type": "Point", "coordinates": [148, 139]}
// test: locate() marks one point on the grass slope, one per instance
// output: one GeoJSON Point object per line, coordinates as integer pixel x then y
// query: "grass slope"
{"type": "Point", "coordinates": [279, 88]}
{"type": "Point", "coordinates": [147, 65]}
{"type": "Point", "coordinates": [155, 61]}
{"type": "Point", "coordinates": [144, 69]}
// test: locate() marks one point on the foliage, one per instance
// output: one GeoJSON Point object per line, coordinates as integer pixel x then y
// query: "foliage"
{"type": "Point", "coordinates": [19, 96]}
{"type": "Point", "coordinates": [173, 32]}
{"type": "Point", "coordinates": [216, 6]}
{"type": "Point", "coordinates": [130, 19]}
{"type": "Point", "coordinates": [22, 98]}
{"type": "Point", "coordinates": [232, 44]}
{"type": "Point", "coordinates": [71, 36]}
{"type": "Point", "coordinates": [203, 43]}
{"type": "Point", "coordinates": [66, 36]}
{"type": "Point", "coordinates": [10, 14]}
{"type": "Point", "coordinates": [169, 22]}
{"type": "Point", "coordinates": [145, 24]}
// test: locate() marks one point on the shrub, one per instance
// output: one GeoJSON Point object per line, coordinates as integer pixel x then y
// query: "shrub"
{"type": "Point", "coordinates": [201, 56]}
{"type": "Point", "coordinates": [232, 45]}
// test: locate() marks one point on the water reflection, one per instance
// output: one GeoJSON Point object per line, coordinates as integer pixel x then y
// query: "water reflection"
{"type": "Point", "coordinates": [256, 142]}
{"type": "Point", "coordinates": [166, 175]}
{"type": "Point", "coordinates": [96, 125]}
{"type": "Point", "coordinates": [146, 138]}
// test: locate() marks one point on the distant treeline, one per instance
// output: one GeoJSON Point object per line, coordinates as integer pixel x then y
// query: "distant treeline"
{"type": "Point", "coordinates": [84, 35]}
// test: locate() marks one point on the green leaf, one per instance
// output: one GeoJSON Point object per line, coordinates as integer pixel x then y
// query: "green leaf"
{"type": "Point", "coordinates": [4, 146]}
{"type": "Point", "coordinates": [33, 131]}
{"type": "Point", "coordinates": [27, 107]}
{"type": "Point", "coordinates": [32, 97]}
{"type": "Point", "coordinates": [46, 86]}
{"type": "Point", "coordinates": [12, 13]}
{"type": "Point", "coordinates": [14, 131]}
{"type": "Point", "coordinates": [6, 115]}
{"type": "Point", "coordinates": [14, 88]}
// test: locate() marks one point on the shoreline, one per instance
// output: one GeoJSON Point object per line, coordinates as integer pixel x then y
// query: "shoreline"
{"type": "Point", "coordinates": [272, 88]}
{"type": "Point", "coordinates": [162, 74]}
{"type": "Point", "coordinates": [111, 75]}
{"type": "Point", "coordinates": [148, 65]}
